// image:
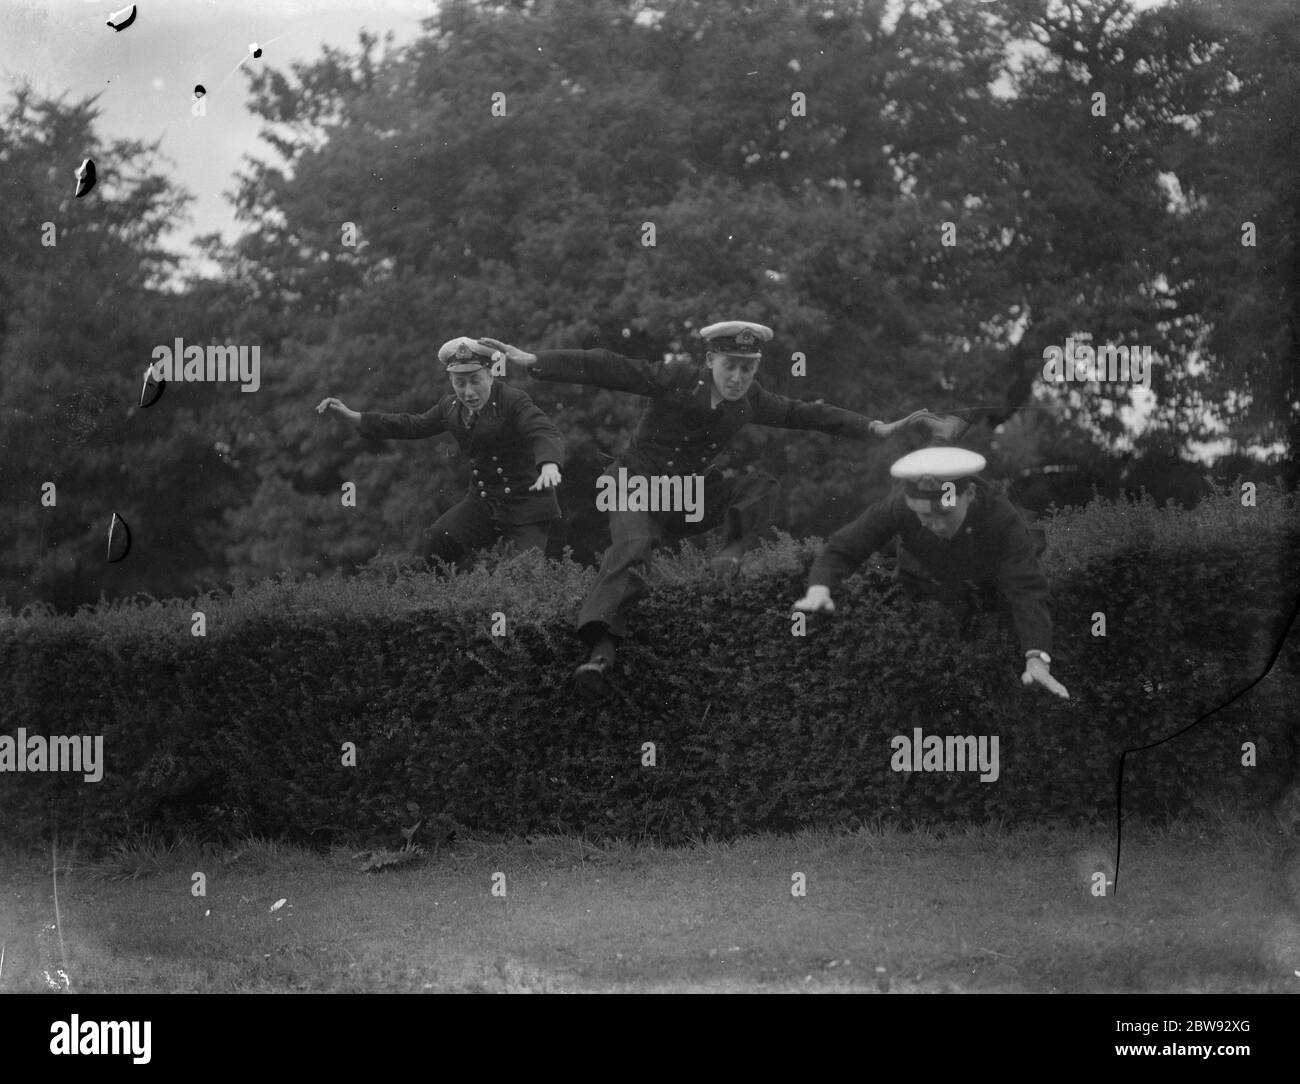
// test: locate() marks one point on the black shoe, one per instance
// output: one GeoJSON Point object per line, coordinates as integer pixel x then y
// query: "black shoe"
{"type": "Point", "coordinates": [590, 676]}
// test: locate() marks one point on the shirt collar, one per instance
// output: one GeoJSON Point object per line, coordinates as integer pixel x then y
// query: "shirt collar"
{"type": "Point", "coordinates": [702, 396]}
{"type": "Point", "coordinates": [729, 406]}
{"type": "Point", "coordinates": [724, 406]}
{"type": "Point", "coordinates": [468, 417]}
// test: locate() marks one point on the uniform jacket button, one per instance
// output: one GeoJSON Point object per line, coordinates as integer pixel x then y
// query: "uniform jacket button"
{"type": "Point", "coordinates": [500, 470]}
{"type": "Point", "coordinates": [507, 489]}
{"type": "Point", "coordinates": [670, 462]}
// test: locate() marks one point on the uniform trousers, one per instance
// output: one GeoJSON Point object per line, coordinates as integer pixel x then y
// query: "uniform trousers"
{"type": "Point", "coordinates": [476, 523]}
{"type": "Point", "coordinates": [743, 503]}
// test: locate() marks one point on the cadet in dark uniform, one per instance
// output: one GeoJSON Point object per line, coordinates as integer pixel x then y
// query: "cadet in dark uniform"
{"type": "Point", "coordinates": [694, 412]}
{"type": "Point", "coordinates": [958, 542]}
{"type": "Point", "coordinates": [515, 454]}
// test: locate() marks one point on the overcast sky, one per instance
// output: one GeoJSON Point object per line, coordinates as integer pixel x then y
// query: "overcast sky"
{"type": "Point", "coordinates": [145, 75]}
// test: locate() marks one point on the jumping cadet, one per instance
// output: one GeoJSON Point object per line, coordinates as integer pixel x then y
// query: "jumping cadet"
{"type": "Point", "coordinates": [958, 542]}
{"type": "Point", "coordinates": [693, 413]}
{"type": "Point", "coordinates": [515, 453]}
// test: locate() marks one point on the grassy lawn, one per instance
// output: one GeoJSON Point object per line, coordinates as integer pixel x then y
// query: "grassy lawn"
{"type": "Point", "coordinates": [1202, 907]}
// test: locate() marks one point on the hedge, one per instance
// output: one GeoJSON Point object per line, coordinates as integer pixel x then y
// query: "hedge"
{"type": "Point", "coordinates": [243, 730]}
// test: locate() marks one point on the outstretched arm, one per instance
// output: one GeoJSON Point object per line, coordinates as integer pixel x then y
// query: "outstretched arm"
{"type": "Point", "coordinates": [846, 549]}
{"type": "Point", "coordinates": [599, 368]}
{"type": "Point", "coordinates": [402, 426]}
{"type": "Point", "coordinates": [545, 439]}
{"type": "Point", "coordinates": [945, 427]}
{"type": "Point", "coordinates": [542, 434]}
{"type": "Point", "coordinates": [1024, 586]}
{"type": "Point", "coordinates": [777, 410]}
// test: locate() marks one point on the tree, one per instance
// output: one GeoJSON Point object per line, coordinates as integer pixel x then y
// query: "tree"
{"type": "Point", "coordinates": [804, 164]}
{"type": "Point", "coordinates": [82, 304]}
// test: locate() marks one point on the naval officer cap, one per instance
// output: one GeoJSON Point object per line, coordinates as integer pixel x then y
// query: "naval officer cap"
{"type": "Point", "coordinates": [465, 355]}
{"type": "Point", "coordinates": [925, 472]}
{"type": "Point", "coordinates": [737, 337]}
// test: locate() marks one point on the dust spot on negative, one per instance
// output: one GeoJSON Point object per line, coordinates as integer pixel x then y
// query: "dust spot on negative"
{"type": "Point", "coordinates": [119, 539]}
{"type": "Point", "coordinates": [152, 389]}
{"type": "Point", "coordinates": [254, 53]}
{"type": "Point", "coordinates": [120, 20]}
{"type": "Point", "coordinates": [86, 177]}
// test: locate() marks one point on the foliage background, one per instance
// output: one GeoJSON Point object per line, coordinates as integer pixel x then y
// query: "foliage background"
{"type": "Point", "coordinates": [827, 227]}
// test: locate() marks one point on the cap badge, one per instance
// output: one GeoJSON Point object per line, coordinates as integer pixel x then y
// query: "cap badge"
{"type": "Point", "coordinates": [745, 337]}
{"type": "Point", "coordinates": [463, 351]}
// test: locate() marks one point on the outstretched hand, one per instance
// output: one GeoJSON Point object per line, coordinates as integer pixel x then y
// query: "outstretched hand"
{"type": "Point", "coordinates": [547, 478]}
{"type": "Point", "coordinates": [1036, 672]}
{"type": "Point", "coordinates": [338, 406]}
{"type": "Point", "coordinates": [817, 600]}
{"type": "Point", "coordinates": [945, 427]}
{"type": "Point", "coordinates": [511, 353]}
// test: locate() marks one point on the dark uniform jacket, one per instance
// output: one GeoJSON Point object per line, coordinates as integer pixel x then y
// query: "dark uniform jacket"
{"type": "Point", "coordinates": [680, 432]}
{"type": "Point", "coordinates": [993, 552]}
{"type": "Point", "coordinates": [506, 443]}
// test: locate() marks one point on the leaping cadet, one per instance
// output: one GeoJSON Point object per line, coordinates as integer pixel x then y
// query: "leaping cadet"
{"type": "Point", "coordinates": [515, 453]}
{"type": "Point", "coordinates": [693, 414]}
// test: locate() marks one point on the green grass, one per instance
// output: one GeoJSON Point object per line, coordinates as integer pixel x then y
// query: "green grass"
{"type": "Point", "coordinates": [1203, 907]}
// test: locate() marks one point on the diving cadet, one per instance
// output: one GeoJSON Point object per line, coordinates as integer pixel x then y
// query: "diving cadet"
{"type": "Point", "coordinates": [959, 543]}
